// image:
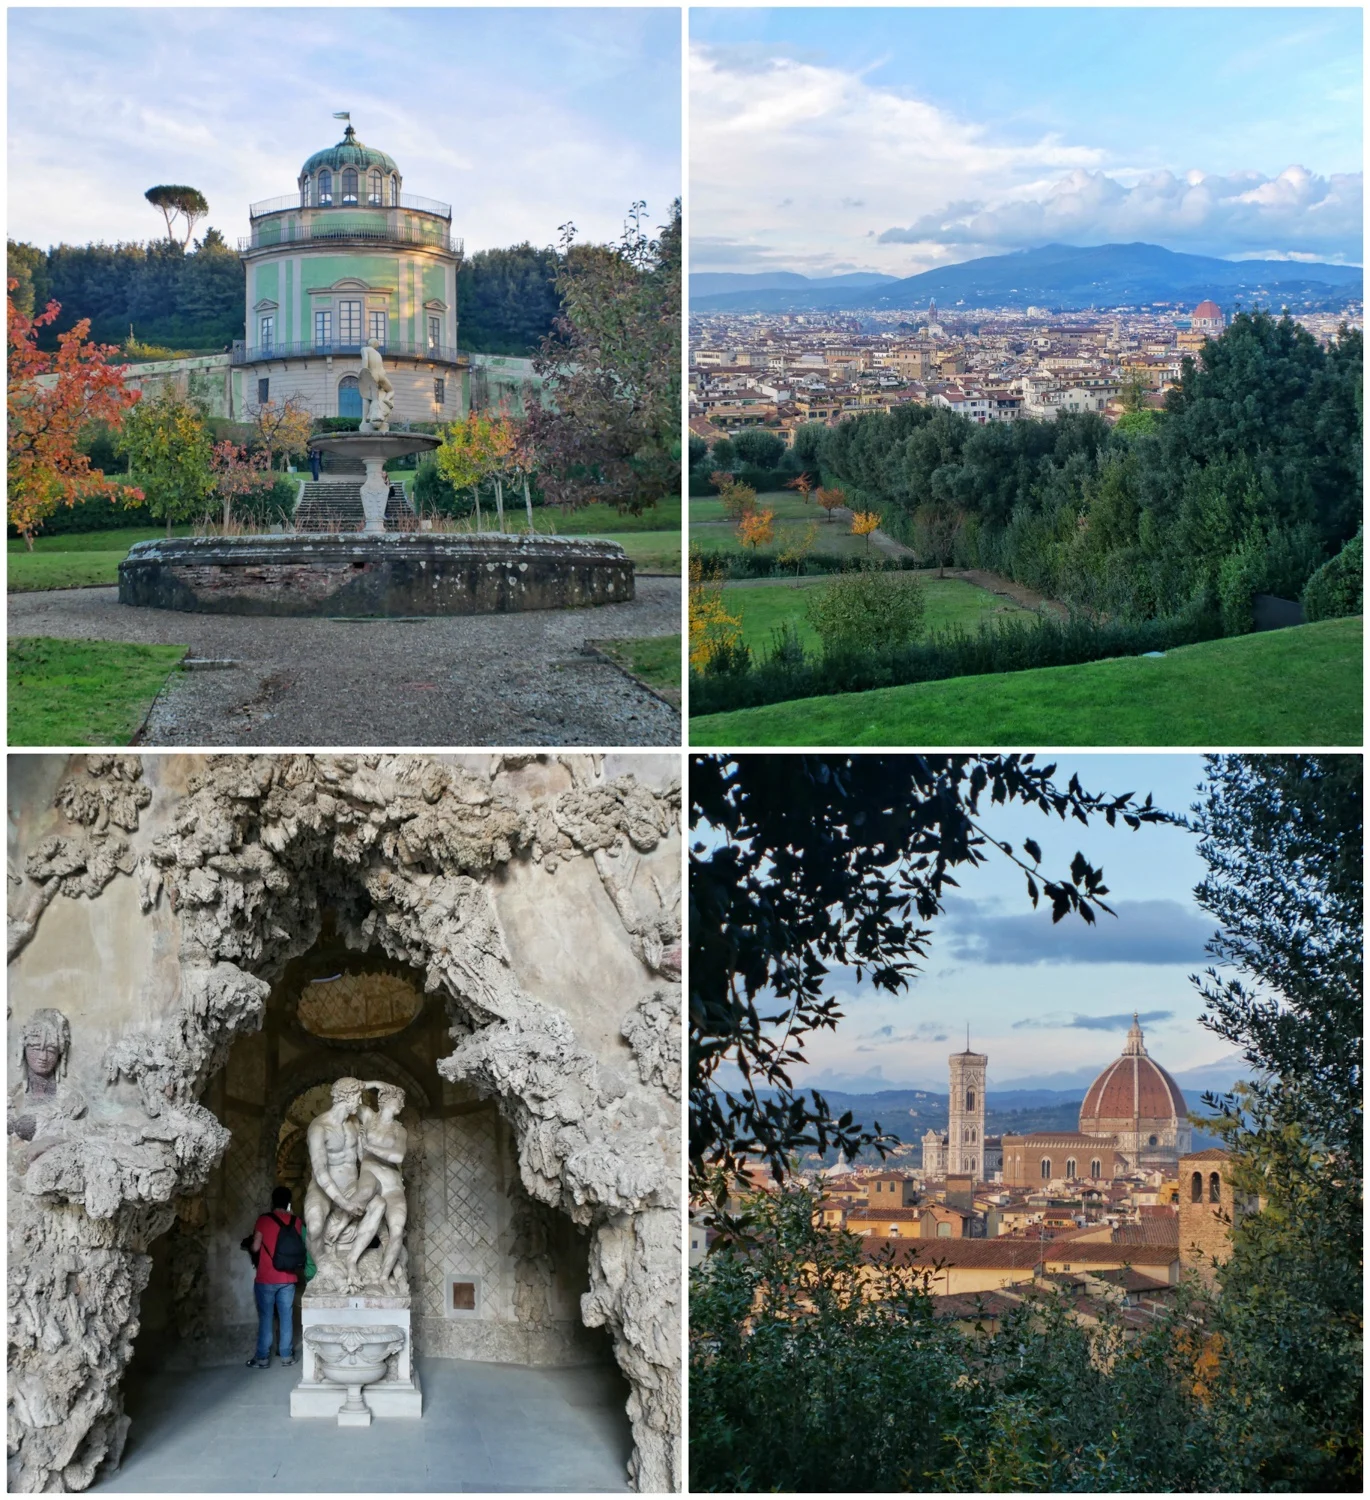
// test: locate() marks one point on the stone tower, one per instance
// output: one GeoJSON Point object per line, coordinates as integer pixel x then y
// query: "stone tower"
{"type": "Point", "coordinates": [1209, 1209]}
{"type": "Point", "coordinates": [966, 1112]}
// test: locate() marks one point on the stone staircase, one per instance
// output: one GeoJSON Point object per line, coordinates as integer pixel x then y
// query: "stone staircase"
{"type": "Point", "coordinates": [335, 504]}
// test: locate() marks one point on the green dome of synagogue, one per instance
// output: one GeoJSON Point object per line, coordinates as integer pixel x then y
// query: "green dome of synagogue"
{"type": "Point", "coordinates": [347, 258]}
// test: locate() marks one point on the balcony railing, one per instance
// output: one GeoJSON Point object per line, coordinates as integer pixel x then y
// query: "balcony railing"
{"type": "Point", "coordinates": [296, 233]}
{"type": "Point", "coordinates": [363, 200]}
{"type": "Point", "coordinates": [444, 354]}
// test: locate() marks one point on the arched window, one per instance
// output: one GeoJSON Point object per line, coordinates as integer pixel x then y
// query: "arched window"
{"type": "Point", "coordinates": [349, 186]}
{"type": "Point", "coordinates": [1096, 1168]}
{"type": "Point", "coordinates": [970, 1164]}
{"type": "Point", "coordinates": [1046, 1169]}
{"type": "Point", "coordinates": [972, 1134]}
{"type": "Point", "coordinates": [394, 189]}
{"type": "Point", "coordinates": [1070, 1166]}
{"type": "Point", "coordinates": [325, 189]}
{"type": "Point", "coordinates": [349, 397]}
{"type": "Point", "coordinates": [1214, 1188]}
{"type": "Point", "coordinates": [373, 194]}
{"type": "Point", "coordinates": [970, 1100]}
{"type": "Point", "coordinates": [1196, 1188]}
{"type": "Point", "coordinates": [1151, 1140]}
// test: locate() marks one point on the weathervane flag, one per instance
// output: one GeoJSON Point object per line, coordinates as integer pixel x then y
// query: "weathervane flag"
{"type": "Point", "coordinates": [344, 114]}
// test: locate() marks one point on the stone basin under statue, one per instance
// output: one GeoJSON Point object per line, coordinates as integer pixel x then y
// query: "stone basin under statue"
{"type": "Point", "coordinates": [353, 1357]}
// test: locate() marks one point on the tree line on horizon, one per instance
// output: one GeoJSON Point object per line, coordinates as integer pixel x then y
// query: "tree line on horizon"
{"type": "Point", "coordinates": [167, 296]}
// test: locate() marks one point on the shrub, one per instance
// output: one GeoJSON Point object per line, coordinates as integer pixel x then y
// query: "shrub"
{"type": "Point", "coordinates": [433, 491]}
{"type": "Point", "coordinates": [1337, 587]}
{"type": "Point", "coordinates": [338, 424]}
{"type": "Point", "coordinates": [866, 611]}
{"type": "Point", "coordinates": [95, 514]}
{"type": "Point", "coordinates": [1241, 575]}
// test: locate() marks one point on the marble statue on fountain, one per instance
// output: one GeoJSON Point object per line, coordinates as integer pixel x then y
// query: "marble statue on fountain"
{"type": "Point", "coordinates": [375, 389]}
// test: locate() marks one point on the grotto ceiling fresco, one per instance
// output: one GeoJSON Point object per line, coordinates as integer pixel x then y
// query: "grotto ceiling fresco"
{"type": "Point", "coordinates": [486, 880]}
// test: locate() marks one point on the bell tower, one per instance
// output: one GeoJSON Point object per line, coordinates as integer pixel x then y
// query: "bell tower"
{"type": "Point", "coordinates": [966, 1112]}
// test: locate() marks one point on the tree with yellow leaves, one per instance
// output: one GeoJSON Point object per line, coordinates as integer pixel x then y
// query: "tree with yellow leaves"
{"type": "Point", "coordinates": [799, 548]}
{"type": "Point", "coordinates": [714, 633]}
{"type": "Point", "coordinates": [468, 455]}
{"type": "Point", "coordinates": [863, 523]}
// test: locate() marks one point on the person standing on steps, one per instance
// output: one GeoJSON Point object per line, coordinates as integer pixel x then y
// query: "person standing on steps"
{"type": "Point", "coordinates": [278, 1251]}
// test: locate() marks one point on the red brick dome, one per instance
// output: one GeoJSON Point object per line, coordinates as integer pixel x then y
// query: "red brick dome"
{"type": "Point", "coordinates": [1135, 1087]}
{"type": "Point", "coordinates": [1207, 310]}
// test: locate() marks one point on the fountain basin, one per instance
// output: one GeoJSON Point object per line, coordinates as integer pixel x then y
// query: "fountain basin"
{"type": "Point", "coordinates": [372, 449]}
{"type": "Point", "coordinates": [364, 575]}
{"type": "Point", "coordinates": [354, 1357]}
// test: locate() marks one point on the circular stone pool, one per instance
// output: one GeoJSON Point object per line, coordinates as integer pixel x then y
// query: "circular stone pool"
{"type": "Point", "coordinates": [363, 574]}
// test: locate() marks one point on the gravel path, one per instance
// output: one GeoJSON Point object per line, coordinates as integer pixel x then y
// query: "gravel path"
{"type": "Point", "coordinates": [509, 680]}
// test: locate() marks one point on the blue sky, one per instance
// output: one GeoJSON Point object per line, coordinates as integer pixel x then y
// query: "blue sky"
{"type": "Point", "coordinates": [521, 119]}
{"type": "Point", "coordinates": [898, 139]}
{"type": "Point", "coordinates": [1050, 1004]}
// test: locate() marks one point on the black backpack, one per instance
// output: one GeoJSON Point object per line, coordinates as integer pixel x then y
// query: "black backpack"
{"type": "Point", "coordinates": [290, 1252]}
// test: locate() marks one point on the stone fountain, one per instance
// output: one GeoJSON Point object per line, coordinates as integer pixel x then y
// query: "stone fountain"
{"type": "Point", "coordinates": [374, 572]}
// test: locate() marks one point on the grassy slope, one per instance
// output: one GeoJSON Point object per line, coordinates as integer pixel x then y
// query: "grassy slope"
{"type": "Point", "coordinates": [1283, 687]}
{"type": "Point", "coordinates": [763, 607]}
{"type": "Point", "coordinates": [82, 692]}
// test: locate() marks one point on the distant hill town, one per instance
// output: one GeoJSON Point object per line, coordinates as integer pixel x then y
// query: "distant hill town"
{"type": "Point", "coordinates": [1053, 277]}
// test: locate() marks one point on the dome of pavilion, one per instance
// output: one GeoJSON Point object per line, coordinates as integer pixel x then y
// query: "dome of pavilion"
{"type": "Point", "coordinates": [349, 152]}
{"type": "Point", "coordinates": [1134, 1096]}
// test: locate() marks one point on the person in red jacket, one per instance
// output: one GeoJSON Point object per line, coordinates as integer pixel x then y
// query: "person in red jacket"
{"type": "Point", "coordinates": [273, 1289]}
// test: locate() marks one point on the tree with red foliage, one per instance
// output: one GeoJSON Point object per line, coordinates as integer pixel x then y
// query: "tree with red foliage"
{"type": "Point", "coordinates": [45, 467]}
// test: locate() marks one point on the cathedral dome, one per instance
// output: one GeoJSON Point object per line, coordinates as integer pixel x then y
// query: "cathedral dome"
{"type": "Point", "coordinates": [1207, 310]}
{"type": "Point", "coordinates": [1135, 1097]}
{"type": "Point", "coordinates": [349, 152]}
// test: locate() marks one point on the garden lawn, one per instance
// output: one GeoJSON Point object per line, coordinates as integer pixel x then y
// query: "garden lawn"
{"type": "Point", "coordinates": [764, 607]}
{"type": "Point", "coordinates": [83, 692]}
{"type": "Point", "coordinates": [602, 520]}
{"type": "Point", "coordinates": [787, 505]}
{"type": "Point", "coordinates": [1300, 686]}
{"type": "Point", "coordinates": [76, 560]}
{"type": "Point", "coordinates": [651, 551]}
{"type": "Point", "coordinates": [655, 659]}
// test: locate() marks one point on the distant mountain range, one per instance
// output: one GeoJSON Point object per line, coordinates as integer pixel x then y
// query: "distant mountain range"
{"type": "Point", "coordinates": [1060, 278]}
{"type": "Point", "coordinates": [712, 283]}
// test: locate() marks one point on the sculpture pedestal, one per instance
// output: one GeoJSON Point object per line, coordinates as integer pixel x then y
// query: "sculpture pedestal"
{"type": "Point", "coordinates": [375, 492]}
{"type": "Point", "coordinates": [399, 1395]}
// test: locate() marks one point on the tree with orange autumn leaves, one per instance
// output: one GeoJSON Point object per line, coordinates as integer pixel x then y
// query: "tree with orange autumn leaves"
{"type": "Point", "coordinates": [755, 528]}
{"type": "Point", "coordinates": [47, 416]}
{"type": "Point", "coordinates": [831, 500]}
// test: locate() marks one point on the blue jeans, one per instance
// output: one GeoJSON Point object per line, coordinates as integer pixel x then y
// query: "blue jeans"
{"type": "Point", "coordinates": [278, 1299]}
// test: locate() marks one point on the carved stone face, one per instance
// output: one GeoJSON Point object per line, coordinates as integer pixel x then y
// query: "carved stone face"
{"type": "Point", "coordinates": [42, 1055]}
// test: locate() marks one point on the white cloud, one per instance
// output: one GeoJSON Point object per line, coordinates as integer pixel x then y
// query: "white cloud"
{"type": "Point", "coordinates": [798, 164]}
{"type": "Point", "coordinates": [849, 157]}
{"type": "Point", "coordinates": [1306, 216]}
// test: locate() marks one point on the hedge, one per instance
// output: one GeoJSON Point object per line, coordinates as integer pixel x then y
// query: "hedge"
{"type": "Point", "coordinates": [755, 564]}
{"type": "Point", "coordinates": [1005, 646]}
